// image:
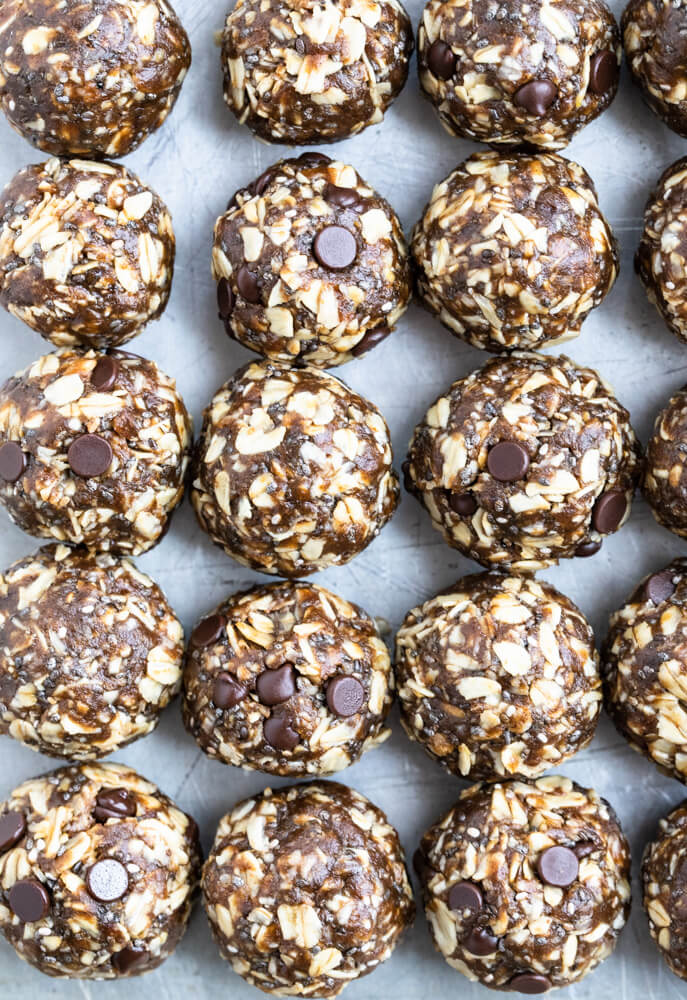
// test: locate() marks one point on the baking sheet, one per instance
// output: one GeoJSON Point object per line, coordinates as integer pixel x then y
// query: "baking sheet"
{"type": "Point", "coordinates": [197, 160]}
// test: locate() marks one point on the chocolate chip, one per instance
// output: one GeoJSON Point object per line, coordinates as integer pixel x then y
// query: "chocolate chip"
{"type": "Point", "coordinates": [345, 696]}
{"type": "Point", "coordinates": [341, 196]}
{"type": "Point", "coordinates": [313, 159]}
{"type": "Point", "coordinates": [128, 959]}
{"type": "Point", "coordinates": [609, 510]}
{"type": "Point", "coordinates": [227, 692]}
{"type": "Point", "coordinates": [89, 455]}
{"type": "Point", "coordinates": [370, 340]}
{"type": "Point", "coordinates": [12, 829]}
{"type": "Point", "coordinates": [104, 375]}
{"type": "Point", "coordinates": [462, 503]}
{"type": "Point", "coordinates": [535, 97]}
{"type": "Point", "coordinates": [480, 942]}
{"type": "Point", "coordinates": [12, 462]}
{"type": "Point", "coordinates": [276, 686]}
{"type": "Point", "coordinates": [114, 803]}
{"type": "Point", "coordinates": [107, 880]}
{"type": "Point", "coordinates": [441, 60]}
{"type": "Point", "coordinates": [585, 549]}
{"type": "Point", "coordinates": [207, 631]}
{"type": "Point", "coordinates": [465, 896]}
{"type": "Point", "coordinates": [508, 461]}
{"type": "Point", "coordinates": [408, 483]}
{"type": "Point", "coordinates": [261, 182]}
{"type": "Point", "coordinates": [584, 848]}
{"type": "Point", "coordinates": [419, 864]}
{"type": "Point", "coordinates": [335, 248]}
{"type": "Point", "coordinates": [558, 866]}
{"type": "Point", "coordinates": [530, 982]}
{"type": "Point", "coordinates": [225, 298]}
{"type": "Point", "coordinates": [29, 900]}
{"type": "Point", "coordinates": [247, 284]}
{"type": "Point", "coordinates": [603, 72]}
{"type": "Point", "coordinates": [301, 45]}
{"type": "Point", "coordinates": [279, 734]}
{"type": "Point", "coordinates": [659, 587]}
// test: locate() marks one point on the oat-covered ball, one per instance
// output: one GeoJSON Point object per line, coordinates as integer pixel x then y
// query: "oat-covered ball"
{"type": "Point", "coordinates": [654, 38]}
{"type": "Point", "coordinates": [86, 252]}
{"type": "Point", "coordinates": [527, 73]}
{"type": "Point", "coordinates": [92, 78]}
{"type": "Point", "coordinates": [302, 72]}
{"type": "Point", "coordinates": [98, 869]}
{"type": "Point", "coordinates": [498, 676]}
{"type": "Point", "coordinates": [664, 480]}
{"type": "Point", "coordinates": [93, 450]}
{"type": "Point", "coordinates": [526, 884]}
{"type": "Point", "coordinates": [289, 679]}
{"type": "Point", "coordinates": [664, 883]}
{"type": "Point", "coordinates": [526, 461]}
{"type": "Point", "coordinates": [292, 470]}
{"type": "Point", "coordinates": [90, 653]}
{"type": "Point", "coordinates": [311, 263]}
{"type": "Point", "coordinates": [513, 251]}
{"type": "Point", "coordinates": [306, 889]}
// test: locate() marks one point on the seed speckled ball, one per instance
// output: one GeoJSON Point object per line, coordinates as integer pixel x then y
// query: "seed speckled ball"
{"type": "Point", "coordinates": [498, 676]}
{"type": "Point", "coordinates": [324, 871]}
{"type": "Point", "coordinates": [654, 40]}
{"type": "Point", "coordinates": [513, 251]}
{"type": "Point", "coordinates": [97, 872]}
{"type": "Point", "coordinates": [302, 72]}
{"type": "Point", "coordinates": [289, 679]}
{"type": "Point", "coordinates": [292, 470]}
{"type": "Point", "coordinates": [514, 74]}
{"type": "Point", "coordinates": [311, 264]}
{"type": "Point", "coordinates": [92, 78]}
{"type": "Point", "coordinates": [526, 461]}
{"type": "Point", "coordinates": [664, 881]}
{"type": "Point", "coordinates": [93, 450]}
{"type": "Point", "coordinates": [526, 884]}
{"type": "Point", "coordinates": [665, 469]}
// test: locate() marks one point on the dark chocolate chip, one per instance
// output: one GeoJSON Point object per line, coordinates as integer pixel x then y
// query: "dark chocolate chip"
{"type": "Point", "coordinates": [107, 880]}
{"type": "Point", "coordinates": [558, 866]}
{"type": "Point", "coordinates": [370, 340]}
{"type": "Point", "coordinates": [480, 942]}
{"type": "Point", "coordinates": [261, 182]}
{"type": "Point", "coordinates": [114, 803]}
{"type": "Point", "coordinates": [465, 896]}
{"type": "Point", "coordinates": [279, 734]}
{"type": "Point", "coordinates": [530, 982]}
{"type": "Point", "coordinates": [536, 97]}
{"type": "Point", "coordinates": [419, 863]}
{"type": "Point", "coordinates": [585, 549]}
{"type": "Point", "coordinates": [29, 900]}
{"type": "Point", "coordinates": [441, 60]}
{"type": "Point", "coordinates": [462, 503]}
{"type": "Point", "coordinates": [227, 692]}
{"type": "Point", "coordinates": [508, 461]}
{"type": "Point", "coordinates": [276, 686]}
{"type": "Point", "coordinates": [247, 284]}
{"type": "Point", "coordinates": [225, 298]}
{"type": "Point", "coordinates": [207, 631]}
{"type": "Point", "coordinates": [659, 587]}
{"type": "Point", "coordinates": [345, 696]}
{"type": "Point", "coordinates": [341, 196]}
{"type": "Point", "coordinates": [335, 248]}
{"type": "Point", "coordinates": [584, 848]}
{"type": "Point", "coordinates": [609, 510]}
{"type": "Point", "coordinates": [408, 483]}
{"type": "Point", "coordinates": [129, 959]}
{"type": "Point", "coordinates": [12, 462]}
{"type": "Point", "coordinates": [603, 72]}
{"type": "Point", "coordinates": [301, 45]}
{"type": "Point", "coordinates": [89, 455]}
{"type": "Point", "coordinates": [312, 159]}
{"type": "Point", "coordinates": [12, 829]}
{"type": "Point", "coordinates": [104, 375]}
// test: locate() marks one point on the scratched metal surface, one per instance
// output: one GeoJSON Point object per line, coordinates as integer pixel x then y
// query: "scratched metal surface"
{"type": "Point", "coordinates": [195, 162]}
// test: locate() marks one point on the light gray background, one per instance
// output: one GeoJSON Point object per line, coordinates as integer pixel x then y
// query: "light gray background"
{"type": "Point", "coordinates": [195, 162]}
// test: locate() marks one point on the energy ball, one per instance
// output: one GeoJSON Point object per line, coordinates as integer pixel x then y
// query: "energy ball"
{"type": "Point", "coordinates": [529, 74]}
{"type": "Point", "coordinates": [664, 883]}
{"type": "Point", "coordinates": [98, 869]}
{"type": "Point", "coordinates": [526, 461]}
{"type": "Point", "coordinates": [93, 450]}
{"type": "Point", "coordinates": [289, 679]}
{"type": "Point", "coordinates": [93, 78]}
{"type": "Point", "coordinates": [302, 72]}
{"type": "Point", "coordinates": [526, 884]}
{"type": "Point", "coordinates": [292, 471]}
{"type": "Point", "coordinates": [498, 676]}
{"type": "Point", "coordinates": [513, 251]}
{"type": "Point", "coordinates": [90, 653]}
{"type": "Point", "coordinates": [86, 252]}
{"type": "Point", "coordinates": [654, 39]}
{"type": "Point", "coordinates": [306, 889]}
{"type": "Point", "coordinates": [665, 469]}
{"type": "Point", "coordinates": [644, 664]}
{"type": "Point", "coordinates": [310, 263]}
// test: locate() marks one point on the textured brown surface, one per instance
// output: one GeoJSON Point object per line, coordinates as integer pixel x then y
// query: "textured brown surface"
{"type": "Point", "coordinates": [654, 39]}
{"type": "Point", "coordinates": [306, 889]}
{"type": "Point", "coordinates": [665, 469]}
{"type": "Point", "coordinates": [664, 882]}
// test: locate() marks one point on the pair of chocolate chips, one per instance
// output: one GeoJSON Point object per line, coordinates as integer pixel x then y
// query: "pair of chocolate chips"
{"type": "Point", "coordinates": [28, 898]}
{"type": "Point", "coordinates": [88, 455]}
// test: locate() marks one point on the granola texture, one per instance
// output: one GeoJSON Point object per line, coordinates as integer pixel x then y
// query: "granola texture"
{"type": "Point", "coordinates": [664, 481]}
{"type": "Point", "coordinates": [498, 677]}
{"type": "Point", "coordinates": [513, 251]}
{"type": "Point", "coordinates": [664, 884]}
{"type": "Point", "coordinates": [292, 471]}
{"type": "Point", "coordinates": [301, 72]}
{"type": "Point", "coordinates": [86, 252]}
{"type": "Point", "coordinates": [294, 680]}
{"type": "Point", "coordinates": [78, 825]}
{"type": "Point", "coordinates": [99, 446]}
{"type": "Point", "coordinates": [527, 73]}
{"type": "Point", "coordinates": [526, 884]}
{"type": "Point", "coordinates": [92, 78]}
{"type": "Point", "coordinates": [654, 40]}
{"type": "Point", "coordinates": [90, 653]}
{"type": "Point", "coordinates": [306, 889]}
{"type": "Point", "coordinates": [282, 292]}
{"type": "Point", "coordinates": [526, 461]}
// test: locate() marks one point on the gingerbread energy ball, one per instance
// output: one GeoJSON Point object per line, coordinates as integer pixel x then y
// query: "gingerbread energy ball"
{"type": "Point", "coordinates": [498, 676]}
{"type": "Point", "coordinates": [665, 469]}
{"type": "Point", "coordinates": [97, 872]}
{"type": "Point", "coordinates": [664, 881]}
{"type": "Point", "coordinates": [526, 884]}
{"type": "Point", "coordinates": [90, 653]}
{"type": "Point", "coordinates": [292, 470]}
{"type": "Point", "coordinates": [513, 251]}
{"type": "Point", "coordinates": [306, 889]}
{"type": "Point", "coordinates": [311, 264]}
{"type": "Point", "coordinates": [92, 78]}
{"type": "Point", "coordinates": [289, 679]}
{"type": "Point", "coordinates": [302, 72]}
{"type": "Point", "coordinates": [93, 450]}
{"type": "Point", "coordinates": [654, 39]}
{"type": "Point", "coordinates": [521, 73]}
{"type": "Point", "coordinates": [86, 252]}
{"type": "Point", "coordinates": [526, 461]}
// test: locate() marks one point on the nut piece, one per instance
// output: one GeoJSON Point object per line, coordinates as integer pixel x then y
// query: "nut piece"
{"type": "Point", "coordinates": [306, 889]}
{"type": "Point", "coordinates": [665, 469]}
{"type": "Point", "coordinates": [653, 36]}
{"type": "Point", "coordinates": [664, 883]}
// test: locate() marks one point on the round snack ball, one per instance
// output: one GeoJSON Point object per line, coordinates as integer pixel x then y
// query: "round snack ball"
{"type": "Point", "coordinates": [664, 481]}
{"type": "Point", "coordinates": [90, 653]}
{"type": "Point", "coordinates": [93, 78]}
{"type": "Point", "coordinates": [654, 40]}
{"type": "Point", "coordinates": [498, 676]}
{"type": "Point", "coordinates": [526, 884]}
{"type": "Point", "coordinates": [289, 679]}
{"type": "Point", "coordinates": [292, 471]}
{"type": "Point", "coordinates": [96, 847]}
{"type": "Point", "coordinates": [86, 252]}
{"type": "Point", "coordinates": [325, 871]}
{"type": "Point", "coordinates": [513, 251]}
{"type": "Point", "coordinates": [302, 72]}
{"type": "Point", "coordinates": [311, 264]}
{"type": "Point", "coordinates": [93, 450]}
{"type": "Point", "coordinates": [528, 74]}
{"type": "Point", "coordinates": [664, 884]}
{"type": "Point", "coordinates": [526, 461]}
